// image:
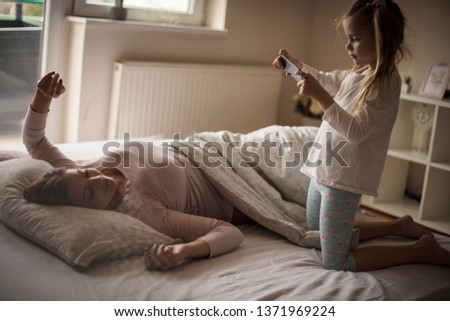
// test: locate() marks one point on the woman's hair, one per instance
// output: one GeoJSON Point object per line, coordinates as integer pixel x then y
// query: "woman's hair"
{"type": "Point", "coordinates": [50, 189]}
{"type": "Point", "coordinates": [386, 22]}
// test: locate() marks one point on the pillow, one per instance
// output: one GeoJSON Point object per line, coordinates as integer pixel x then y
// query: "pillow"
{"type": "Point", "coordinates": [78, 235]}
{"type": "Point", "coordinates": [6, 154]}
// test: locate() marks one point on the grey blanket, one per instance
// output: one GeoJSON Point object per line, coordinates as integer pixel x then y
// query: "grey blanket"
{"type": "Point", "coordinates": [259, 173]}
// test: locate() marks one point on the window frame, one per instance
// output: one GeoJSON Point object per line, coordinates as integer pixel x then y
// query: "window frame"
{"type": "Point", "coordinates": [196, 16]}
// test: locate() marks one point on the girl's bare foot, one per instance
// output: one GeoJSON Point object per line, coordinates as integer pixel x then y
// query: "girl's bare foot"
{"type": "Point", "coordinates": [410, 229]}
{"type": "Point", "coordinates": [433, 252]}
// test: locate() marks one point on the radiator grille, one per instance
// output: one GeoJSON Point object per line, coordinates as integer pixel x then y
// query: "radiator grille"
{"type": "Point", "coordinates": [168, 98]}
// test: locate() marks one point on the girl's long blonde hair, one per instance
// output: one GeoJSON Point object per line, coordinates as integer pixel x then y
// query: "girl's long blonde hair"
{"type": "Point", "coordinates": [386, 21]}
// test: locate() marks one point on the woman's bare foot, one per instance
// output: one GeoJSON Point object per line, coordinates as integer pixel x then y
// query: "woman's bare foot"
{"type": "Point", "coordinates": [433, 252]}
{"type": "Point", "coordinates": [409, 229]}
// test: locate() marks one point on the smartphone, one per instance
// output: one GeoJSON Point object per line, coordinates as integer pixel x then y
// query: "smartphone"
{"type": "Point", "coordinates": [290, 68]}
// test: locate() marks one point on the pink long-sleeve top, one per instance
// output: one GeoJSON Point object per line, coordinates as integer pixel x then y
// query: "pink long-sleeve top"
{"type": "Point", "coordinates": [165, 190]}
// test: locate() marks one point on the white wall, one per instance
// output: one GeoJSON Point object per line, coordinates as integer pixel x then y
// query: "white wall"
{"type": "Point", "coordinates": [257, 29]}
{"type": "Point", "coordinates": [427, 36]}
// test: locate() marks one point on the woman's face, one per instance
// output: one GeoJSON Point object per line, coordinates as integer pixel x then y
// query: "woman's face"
{"type": "Point", "coordinates": [90, 188]}
{"type": "Point", "coordinates": [360, 43]}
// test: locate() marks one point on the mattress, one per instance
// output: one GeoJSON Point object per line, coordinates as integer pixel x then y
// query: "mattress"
{"type": "Point", "coordinates": [265, 267]}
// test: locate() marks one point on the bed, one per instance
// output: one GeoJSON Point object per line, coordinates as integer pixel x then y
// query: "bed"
{"type": "Point", "coordinates": [265, 267]}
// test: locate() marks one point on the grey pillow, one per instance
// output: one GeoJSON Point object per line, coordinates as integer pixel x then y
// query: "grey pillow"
{"type": "Point", "coordinates": [80, 236]}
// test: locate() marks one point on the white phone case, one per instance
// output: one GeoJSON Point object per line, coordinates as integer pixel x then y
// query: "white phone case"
{"type": "Point", "coordinates": [290, 68]}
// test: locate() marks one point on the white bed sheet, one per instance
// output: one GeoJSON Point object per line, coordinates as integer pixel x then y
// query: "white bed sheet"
{"type": "Point", "coordinates": [265, 267]}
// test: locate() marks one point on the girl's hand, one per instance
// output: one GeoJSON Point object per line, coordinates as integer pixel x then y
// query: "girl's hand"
{"type": "Point", "coordinates": [310, 87]}
{"type": "Point", "coordinates": [278, 65]}
{"type": "Point", "coordinates": [50, 86]}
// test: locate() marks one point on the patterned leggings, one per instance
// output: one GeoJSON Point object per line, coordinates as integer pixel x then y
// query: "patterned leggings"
{"type": "Point", "coordinates": [332, 211]}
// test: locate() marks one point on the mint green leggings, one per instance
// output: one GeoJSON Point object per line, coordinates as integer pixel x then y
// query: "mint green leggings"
{"type": "Point", "coordinates": [332, 212]}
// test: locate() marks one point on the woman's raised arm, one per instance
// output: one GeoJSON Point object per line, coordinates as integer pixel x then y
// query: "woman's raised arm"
{"type": "Point", "coordinates": [33, 131]}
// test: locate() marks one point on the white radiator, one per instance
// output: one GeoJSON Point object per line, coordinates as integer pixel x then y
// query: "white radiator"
{"type": "Point", "coordinates": [166, 99]}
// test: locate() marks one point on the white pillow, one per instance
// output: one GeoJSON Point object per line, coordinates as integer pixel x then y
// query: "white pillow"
{"type": "Point", "coordinates": [77, 235]}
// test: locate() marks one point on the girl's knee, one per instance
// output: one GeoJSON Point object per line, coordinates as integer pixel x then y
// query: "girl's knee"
{"type": "Point", "coordinates": [348, 264]}
{"type": "Point", "coordinates": [333, 266]}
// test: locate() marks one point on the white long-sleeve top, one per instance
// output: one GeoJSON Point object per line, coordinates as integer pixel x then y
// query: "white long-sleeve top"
{"type": "Point", "coordinates": [357, 142]}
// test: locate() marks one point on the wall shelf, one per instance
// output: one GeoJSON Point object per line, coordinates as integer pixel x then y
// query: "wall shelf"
{"type": "Point", "coordinates": [418, 164]}
{"type": "Point", "coordinates": [408, 154]}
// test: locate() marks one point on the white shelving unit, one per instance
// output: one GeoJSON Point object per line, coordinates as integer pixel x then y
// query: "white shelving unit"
{"type": "Point", "coordinates": [418, 168]}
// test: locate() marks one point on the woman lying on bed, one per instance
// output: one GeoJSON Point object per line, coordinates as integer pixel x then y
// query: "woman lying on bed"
{"type": "Point", "coordinates": [178, 201]}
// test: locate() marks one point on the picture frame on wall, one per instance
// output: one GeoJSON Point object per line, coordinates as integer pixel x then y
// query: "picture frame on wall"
{"type": "Point", "coordinates": [436, 81]}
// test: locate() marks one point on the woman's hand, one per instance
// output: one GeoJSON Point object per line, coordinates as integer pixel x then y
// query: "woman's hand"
{"type": "Point", "coordinates": [310, 87]}
{"type": "Point", "coordinates": [50, 86]}
{"type": "Point", "coordinates": [165, 257]}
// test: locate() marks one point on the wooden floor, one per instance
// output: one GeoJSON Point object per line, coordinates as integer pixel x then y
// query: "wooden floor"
{"type": "Point", "coordinates": [386, 217]}
{"type": "Point", "coordinates": [376, 214]}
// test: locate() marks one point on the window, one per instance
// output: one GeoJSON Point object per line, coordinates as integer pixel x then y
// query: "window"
{"type": "Point", "coordinates": [20, 51]}
{"type": "Point", "coordinates": [188, 12]}
{"type": "Point", "coordinates": [180, 6]}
